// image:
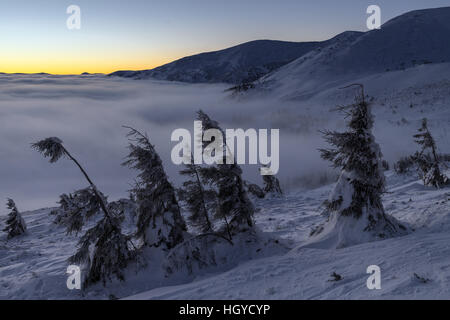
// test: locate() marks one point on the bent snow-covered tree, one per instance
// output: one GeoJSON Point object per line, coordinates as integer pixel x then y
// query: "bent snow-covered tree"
{"type": "Point", "coordinates": [234, 205]}
{"type": "Point", "coordinates": [15, 225]}
{"type": "Point", "coordinates": [103, 250]}
{"type": "Point", "coordinates": [160, 223]}
{"type": "Point", "coordinates": [428, 159]}
{"type": "Point", "coordinates": [198, 200]}
{"type": "Point", "coordinates": [74, 209]}
{"type": "Point", "coordinates": [110, 254]}
{"type": "Point", "coordinates": [355, 206]}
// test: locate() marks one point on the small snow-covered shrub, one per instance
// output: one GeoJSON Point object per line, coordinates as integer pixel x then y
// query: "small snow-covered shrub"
{"type": "Point", "coordinates": [271, 184]}
{"type": "Point", "coordinates": [15, 225]}
{"type": "Point", "coordinates": [255, 190]}
{"type": "Point", "coordinates": [404, 164]}
{"type": "Point", "coordinates": [428, 158]}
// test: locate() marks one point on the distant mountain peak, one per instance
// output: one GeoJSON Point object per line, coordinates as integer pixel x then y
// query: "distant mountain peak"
{"type": "Point", "coordinates": [242, 63]}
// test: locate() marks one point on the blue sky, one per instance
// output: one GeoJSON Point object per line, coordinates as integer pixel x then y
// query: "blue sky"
{"type": "Point", "coordinates": [137, 34]}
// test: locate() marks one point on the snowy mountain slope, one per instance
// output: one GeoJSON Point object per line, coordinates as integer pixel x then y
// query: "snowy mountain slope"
{"type": "Point", "coordinates": [415, 38]}
{"type": "Point", "coordinates": [33, 266]}
{"type": "Point", "coordinates": [304, 273]}
{"type": "Point", "coordinates": [412, 94]}
{"type": "Point", "coordinates": [242, 63]}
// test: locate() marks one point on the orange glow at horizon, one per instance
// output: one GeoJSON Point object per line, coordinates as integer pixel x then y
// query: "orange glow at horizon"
{"type": "Point", "coordinates": [74, 63]}
{"type": "Point", "coordinates": [61, 67]}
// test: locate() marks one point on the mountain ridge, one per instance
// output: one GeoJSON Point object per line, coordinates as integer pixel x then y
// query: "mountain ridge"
{"type": "Point", "coordinates": [413, 38]}
{"type": "Point", "coordinates": [243, 63]}
{"type": "Point", "coordinates": [240, 63]}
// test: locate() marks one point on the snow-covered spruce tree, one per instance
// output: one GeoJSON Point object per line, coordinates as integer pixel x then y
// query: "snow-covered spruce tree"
{"type": "Point", "coordinates": [225, 195]}
{"type": "Point", "coordinates": [160, 223]}
{"type": "Point", "coordinates": [15, 225]}
{"type": "Point", "coordinates": [103, 250]}
{"type": "Point", "coordinates": [199, 251]}
{"type": "Point", "coordinates": [356, 210]}
{"type": "Point", "coordinates": [198, 200]}
{"type": "Point", "coordinates": [61, 212]}
{"type": "Point", "coordinates": [428, 159]}
{"type": "Point", "coordinates": [254, 190]}
{"type": "Point", "coordinates": [73, 209]}
{"type": "Point", "coordinates": [123, 208]}
{"type": "Point", "coordinates": [77, 208]}
{"type": "Point", "coordinates": [234, 205]}
{"type": "Point", "coordinates": [271, 184]}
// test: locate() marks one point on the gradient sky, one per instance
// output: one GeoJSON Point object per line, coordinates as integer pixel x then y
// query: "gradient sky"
{"type": "Point", "coordinates": [142, 34]}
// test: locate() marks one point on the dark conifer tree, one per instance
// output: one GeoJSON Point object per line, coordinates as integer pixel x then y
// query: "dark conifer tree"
{"type": "Point", "coordinates": [112, 253]}
{"type": "Point", "coordinates": [76, 208]}
{"type": "Point", "coordinates": [199, 200]}
{"type": "Point", "coordinates": [15, 225]}
{"type": "Point", "coordinates": [103, 250]}
{"type": "Point", "coordinates": [254, 189]}
{"type": "Point", "coordinates": [357, 194]}
{"type": "Point", "coordinates": [272, 185]}
{"type": "Point", "coordinates": [160, 223]}
{"type": "Point", "coordinates": [428, 159]}
{"type": "Point", "coordinates": [60, 213]}
{"type": "Point", "coordinates": [234, 206]}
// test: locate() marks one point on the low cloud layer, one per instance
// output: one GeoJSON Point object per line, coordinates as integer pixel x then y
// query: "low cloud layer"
{"type": "Point", "coordinates": [87, 114]}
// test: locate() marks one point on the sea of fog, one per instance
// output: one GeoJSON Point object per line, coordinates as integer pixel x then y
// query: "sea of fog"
{"type": "Point", "coordinates": [88, 112]}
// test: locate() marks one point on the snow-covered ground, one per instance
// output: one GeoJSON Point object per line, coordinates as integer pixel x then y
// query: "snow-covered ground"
{"type": "Point", "coordinates": [304, 273]}
{"type": "Point", "coordinates": [34, 266]}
